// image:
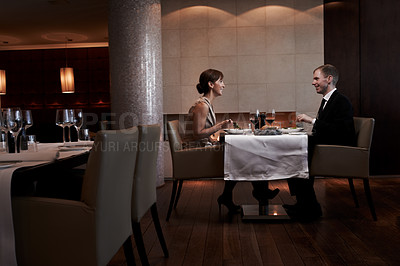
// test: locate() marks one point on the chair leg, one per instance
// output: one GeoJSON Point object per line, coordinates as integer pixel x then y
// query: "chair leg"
{"type": "Point", "coordinates": [171, 202]}
{"type": "Point", "coordinates": [353, 192]}
{"type": "Point", "coordinates": [369, 198]}
{"type": "Point", "coordinates": [128, 251]}
{"type": "Point", "coordinates": [156, 221]}
{"type": "Point", "coordinates": [137, 232]}
{"type": "Point", "coordinates": [179, 193]}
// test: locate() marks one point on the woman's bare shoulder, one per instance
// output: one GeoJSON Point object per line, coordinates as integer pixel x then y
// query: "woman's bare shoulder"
{"type": "Point", "coordinates": [200, 107]}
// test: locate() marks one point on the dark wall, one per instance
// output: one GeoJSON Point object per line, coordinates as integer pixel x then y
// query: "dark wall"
{"type": "Point", "coordinates": [341, 46]}
{"type": "Point", "coordinates": [33, 82]}
{"type": "Point", "coordinates": [362, 39]}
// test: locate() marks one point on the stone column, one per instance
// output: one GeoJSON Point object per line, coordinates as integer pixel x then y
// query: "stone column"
{"type": "Point", "coordinates": [134, 28]}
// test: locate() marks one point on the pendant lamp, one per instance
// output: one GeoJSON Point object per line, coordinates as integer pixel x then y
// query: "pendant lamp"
{"type": "Point", "coordinates": [67, 75]}
{"type": "Point", "coordinates": [67, 80]}
{"type": "Point", "coordinates": [2, 82]}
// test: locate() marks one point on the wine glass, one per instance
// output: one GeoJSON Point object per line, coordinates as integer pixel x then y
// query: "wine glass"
{"type": "Point", "coordinates": [254, 117]}
{"type": "Point", "coordinates": [3, 134]}
{"type": "Point", "coordinates": [270, 117]}
{"type": "Point", "coordinates": [78, 119]}
{"type": "Point", "coordinates": [27, 122]}
{"type": "Point", "coordinates": [2, 123]}
{"type": "Point", "coordinates": [71, 122]}
{"type": "Point", "coordinates": [63, 119]}
{"type": "Point", "coordinates": [13, 123]}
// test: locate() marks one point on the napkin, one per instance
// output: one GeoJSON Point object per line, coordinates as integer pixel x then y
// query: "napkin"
{"type": "Point", "coordinates": [85, 143]}
{"type": "Point", "coordinates": [29, 156]}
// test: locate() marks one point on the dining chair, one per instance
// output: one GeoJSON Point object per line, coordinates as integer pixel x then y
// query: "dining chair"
{"type": "Point", "coordinates": [191, 163]}
{"type": "Point", "coordinates": [50, 231]}
{"type": "Point", "coordinates": [144, 195]}
{"type": "Point", "coordinates": [348, 162]}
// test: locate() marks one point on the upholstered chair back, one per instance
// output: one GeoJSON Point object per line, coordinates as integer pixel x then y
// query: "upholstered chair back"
{"type": "Point", "coordinates": [107, 187]}
{"type": "Point", "coordinates": [364, 128]}
{"type": "Point", "coordinates": [145, 178]}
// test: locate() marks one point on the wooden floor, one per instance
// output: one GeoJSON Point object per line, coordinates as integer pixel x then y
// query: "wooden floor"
{"type": "Point", "coordinates": [197, 234]}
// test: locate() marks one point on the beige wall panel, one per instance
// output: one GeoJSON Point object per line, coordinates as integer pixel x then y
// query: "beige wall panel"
{"type": "Point", "coordinates": [251, 41]}
{"type": "Point", "coordinates": [222, 41]}
{"type": "Point", "coordinates": [222, 13]}
{"type": "Point", "coordinates": [171, 43]}
{"type": "Point", "coordinates": [194, 42]}
{"type": "Point", "coordinates": [171, 71]}
{"type": "Point", "coordinates": [252, 96]}
{"type": "Point", "coordinates": [281, 96]}
{"type": "Point", "coordinates": [280, 39]}
{"type": "Point", "coordinates": [194, 17]}
{"type": "Point", "coordinates": [252, 69]}
{"type": "Point", "coordinates": [281, 68]}
{"type": "Point", "coordinates": [309, 39]}
{"type": "Point", "coordinates": [280, 12]}
{"type": "Point", "coordinates": [250, 13]}
{"type": "Point", "coordinates": [172, 103]}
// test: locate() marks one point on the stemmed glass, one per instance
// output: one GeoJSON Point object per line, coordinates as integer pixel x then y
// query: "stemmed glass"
{"type": "Point", "coordinates": [78, 119]}
{"type": "Point", "coordinates": [3, 134]}
{"type": "Point", "coordinates": [71, 122]}
{"type": "Point", "coordinates": [27, 122]}
{"type": "Point", "coordinates": [254, 118]}
{"type": "Point", "coordinates": [270, 118]}
{"type": "Point", "coordinates": [13, 123]}
{"type": "Point", "coordinates": [63, 119]}
{"type": "Point", "coordinates": [2, 123]}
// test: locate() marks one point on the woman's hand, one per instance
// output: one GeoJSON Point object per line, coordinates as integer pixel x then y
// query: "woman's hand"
{"type": "Point", "coordinates": [225, 123]}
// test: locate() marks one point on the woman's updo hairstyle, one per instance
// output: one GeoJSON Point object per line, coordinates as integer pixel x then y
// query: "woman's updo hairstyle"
{"type": "Point", "coordinates": [208, 75]}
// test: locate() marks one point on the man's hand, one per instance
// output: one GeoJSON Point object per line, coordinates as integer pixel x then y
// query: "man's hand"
{"type": "Point", "coordinates": [304, 118]}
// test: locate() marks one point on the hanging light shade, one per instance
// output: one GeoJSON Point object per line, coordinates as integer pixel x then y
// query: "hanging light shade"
{"type": "Point", "coordinates": [67, 80]}
{"type": "Point", "coordinates": [2, 82]}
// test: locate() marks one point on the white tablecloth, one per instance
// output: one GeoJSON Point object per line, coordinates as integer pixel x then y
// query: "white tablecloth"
{"type": "Point", "coordinates": [275, 157]}
{"type": "Point", "coordinates": [47, 152]}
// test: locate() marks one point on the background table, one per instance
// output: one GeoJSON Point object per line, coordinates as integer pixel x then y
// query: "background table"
{"type": "Point", "coordinates": [69, 158]}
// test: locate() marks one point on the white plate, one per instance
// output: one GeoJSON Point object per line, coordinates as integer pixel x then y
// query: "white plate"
{"type": "Point", "coordinates": [235, 131]}
{"type": "Point", "coordinates": [297, 133]}
{"type": "Point", "coordinates": [6, 164]}
{"type": "Point", "coordinates": [291, 130]}
{"type": "Point", "coordinates": [72, 148]}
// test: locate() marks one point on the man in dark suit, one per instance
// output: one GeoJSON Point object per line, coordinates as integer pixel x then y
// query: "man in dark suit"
{"type": "Point", "coordinates": [333, 125]}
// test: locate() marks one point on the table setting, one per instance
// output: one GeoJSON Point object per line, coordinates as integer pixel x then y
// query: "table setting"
{"type": "Point", "coordinates": [264, 151]}
{"type": "Point", "coordinates": [20, 150]}
{"type": "Point", "coordinates": [264, 123]}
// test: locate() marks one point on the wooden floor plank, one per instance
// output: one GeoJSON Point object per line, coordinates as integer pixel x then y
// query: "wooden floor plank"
{"type": "Point", "coordinates": [250, 249]}
{"type": "Point", "coordinates": [213, 253]}
{"type": "Point", "coordinates": [267, 246]}
{"type": "Point", "coordinates": [196, 246]}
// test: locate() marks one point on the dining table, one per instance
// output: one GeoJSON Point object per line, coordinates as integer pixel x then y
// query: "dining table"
{"type": "Point", "coordinates": [23, 165]}
{"type": "Point", "coordinates": [249, 157]}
